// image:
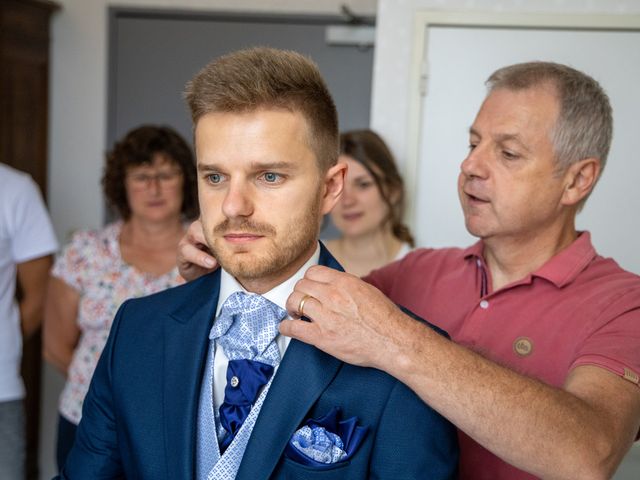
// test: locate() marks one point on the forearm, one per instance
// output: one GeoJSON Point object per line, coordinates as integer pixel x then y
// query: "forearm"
{"type": "Point", "coordinates": [30, 315]}
{"type": "Point", "coordinates": [32, 278]}
{"type": "Point", "coordinates": [61, 332]}
{"type": "Point", "coordinates": [60, 359]}
{"type": "Point", "coordinates": [543, 430]}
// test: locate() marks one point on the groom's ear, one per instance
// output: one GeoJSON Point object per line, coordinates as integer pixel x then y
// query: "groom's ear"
{"type": "Point", "coordinates": [333, 185]}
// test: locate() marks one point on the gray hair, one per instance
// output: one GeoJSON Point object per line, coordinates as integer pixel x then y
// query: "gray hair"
{"type": "Point", "coordinates": [584, 127]}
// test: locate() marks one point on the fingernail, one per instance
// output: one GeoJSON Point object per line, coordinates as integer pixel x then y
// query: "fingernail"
{"type": "Point", "coordinates": [209, 262]}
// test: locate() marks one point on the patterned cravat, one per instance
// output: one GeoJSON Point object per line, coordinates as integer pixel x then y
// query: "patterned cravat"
{"type": "Point", "coordinates": [246, 330]}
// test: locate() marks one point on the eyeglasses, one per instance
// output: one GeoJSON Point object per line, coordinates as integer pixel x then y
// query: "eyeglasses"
{"type": "Point", "coordinates": [141, 181]}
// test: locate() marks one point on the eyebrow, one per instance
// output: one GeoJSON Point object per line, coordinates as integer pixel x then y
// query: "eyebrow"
{"type": "Point", "coordinates": [212, 167]}
{"type": "Point", "coordinates": [362, 177]}
{"type": "Point", "coordinates": [204, 167]}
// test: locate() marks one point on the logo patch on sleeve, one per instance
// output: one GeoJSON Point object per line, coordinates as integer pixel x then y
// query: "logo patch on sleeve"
{"type": "Point", "coordinates": [631, 376]}
{"type": "Point", "coordinates": [523, 346]}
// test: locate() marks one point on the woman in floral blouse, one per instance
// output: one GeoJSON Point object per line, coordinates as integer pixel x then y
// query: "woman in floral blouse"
{"type": "Point", "coordinates": [150, 180]}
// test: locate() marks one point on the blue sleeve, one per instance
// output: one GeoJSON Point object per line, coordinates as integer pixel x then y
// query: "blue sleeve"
{"type": "Point", "coordinates": [413, 441]}
{"type": "Point", "coordinates": [95, 453]}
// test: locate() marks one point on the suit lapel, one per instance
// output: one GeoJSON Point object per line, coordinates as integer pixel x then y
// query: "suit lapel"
{"type": "Point", "coordinates": [186, 335]}
{"type": "Point", "coordinates": [304, 373]}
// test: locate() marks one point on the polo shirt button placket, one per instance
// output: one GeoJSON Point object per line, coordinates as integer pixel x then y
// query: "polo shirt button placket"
{"type": "Point", "coordinates": [484, 304]}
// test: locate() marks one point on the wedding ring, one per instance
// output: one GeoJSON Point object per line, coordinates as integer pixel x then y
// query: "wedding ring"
{"type": "Point", "coordinates": [301, 304]}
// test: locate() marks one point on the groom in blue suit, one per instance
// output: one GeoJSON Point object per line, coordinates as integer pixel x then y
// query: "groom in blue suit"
{"type": "Point", "coordinates": [195, 382]}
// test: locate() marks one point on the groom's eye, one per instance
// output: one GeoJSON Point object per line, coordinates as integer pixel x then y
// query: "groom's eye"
{"type": "Point", "coordinates": [272, 177]}
{"type": "Point", "coordinates": [214, 178]}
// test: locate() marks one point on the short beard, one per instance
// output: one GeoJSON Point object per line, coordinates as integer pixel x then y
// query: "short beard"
{"type": "Point", "coordinates": [275, 258]}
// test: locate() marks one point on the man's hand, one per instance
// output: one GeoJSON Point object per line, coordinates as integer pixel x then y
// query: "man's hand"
{"type": "Point", "coordinates": [194, 257]}
{"type": "Point", "coordinates": [350, 319]}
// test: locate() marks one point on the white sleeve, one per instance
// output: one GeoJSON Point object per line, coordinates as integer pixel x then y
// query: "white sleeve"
{"type": "Point", "coordinates": [33, 234]}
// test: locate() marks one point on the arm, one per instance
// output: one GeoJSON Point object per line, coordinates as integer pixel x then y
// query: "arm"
{"type": "Point", "coordinates": [32, 278]}
{"type": "Point", "coordinates": [61, 331]}
{"type": "Point", "coordinates": [194, 259]}
{"type": "Point", "coordinates": [581, 431]}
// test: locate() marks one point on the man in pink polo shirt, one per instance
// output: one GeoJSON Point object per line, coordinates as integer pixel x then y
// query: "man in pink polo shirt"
{"type": "Point", "coordinates": [542, 376]}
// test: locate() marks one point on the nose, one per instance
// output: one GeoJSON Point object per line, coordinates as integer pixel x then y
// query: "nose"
{"type": "Point", "coordinates": [238, 201]}
{"type": "Point", "coordinates": [154, 184]}
{"type": "Point", "coordinates": [348, 198]}
{"type": "Point", "coordinates": [475, 164]}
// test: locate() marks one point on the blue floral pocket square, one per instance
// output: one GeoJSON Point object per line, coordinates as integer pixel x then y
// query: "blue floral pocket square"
{"type": "Point", "coordinates": [326, 441]}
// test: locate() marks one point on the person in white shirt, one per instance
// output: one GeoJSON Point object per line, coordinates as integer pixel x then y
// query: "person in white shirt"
{"type": "Point", "coordinates": [27, 242]}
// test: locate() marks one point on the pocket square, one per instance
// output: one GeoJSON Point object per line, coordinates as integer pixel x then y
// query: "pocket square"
{"type": "Point", "coordinates": [326, 441]}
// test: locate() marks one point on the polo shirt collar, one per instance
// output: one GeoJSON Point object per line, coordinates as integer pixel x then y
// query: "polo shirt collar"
{"type": "Point", "coordinates": [474, 251]}
{"type": "Point", "coordinates": [562, 268]}
{"type": "Point", "coordinates": [565, 266]}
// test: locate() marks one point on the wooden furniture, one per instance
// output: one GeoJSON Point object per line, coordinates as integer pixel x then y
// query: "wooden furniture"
{"type": "Point", "coordinates": [24, 85]}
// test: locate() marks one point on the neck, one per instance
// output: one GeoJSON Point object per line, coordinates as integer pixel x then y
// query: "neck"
{"type": "Point", "coordinates": [138, 231]}
{"type": "Point", "coordinates": [363, 253]}
{"type": "Point", "coordinates": [511, 260]}
{"type": "Point", "coordinates": [380, 242]}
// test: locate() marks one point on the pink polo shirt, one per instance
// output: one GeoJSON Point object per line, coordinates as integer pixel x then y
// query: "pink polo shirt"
{"type": "Point", "coordinates": [577, 309]}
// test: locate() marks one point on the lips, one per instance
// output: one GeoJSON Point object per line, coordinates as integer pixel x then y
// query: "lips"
{"type": "Point", "coordinates": [474, 197]}
{"type": "Point", "coordinates": [239, 238]}
{"type": "Point", "coordinates": [349, 217]}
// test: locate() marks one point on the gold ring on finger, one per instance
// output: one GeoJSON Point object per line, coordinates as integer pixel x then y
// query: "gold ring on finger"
{"type": "Point", "coordinates": [301, 304]}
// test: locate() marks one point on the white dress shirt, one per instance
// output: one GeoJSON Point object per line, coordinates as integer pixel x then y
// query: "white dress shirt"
{"type": "Point", "coordinates": [277, 295]}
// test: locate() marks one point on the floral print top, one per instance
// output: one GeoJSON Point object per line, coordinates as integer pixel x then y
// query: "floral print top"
{"type": "Point", "coordinates": [91, 263]}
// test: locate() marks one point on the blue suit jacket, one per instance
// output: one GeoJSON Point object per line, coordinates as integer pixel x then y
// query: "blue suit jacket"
{"type": "Point", "coordinates": [139, 417]}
